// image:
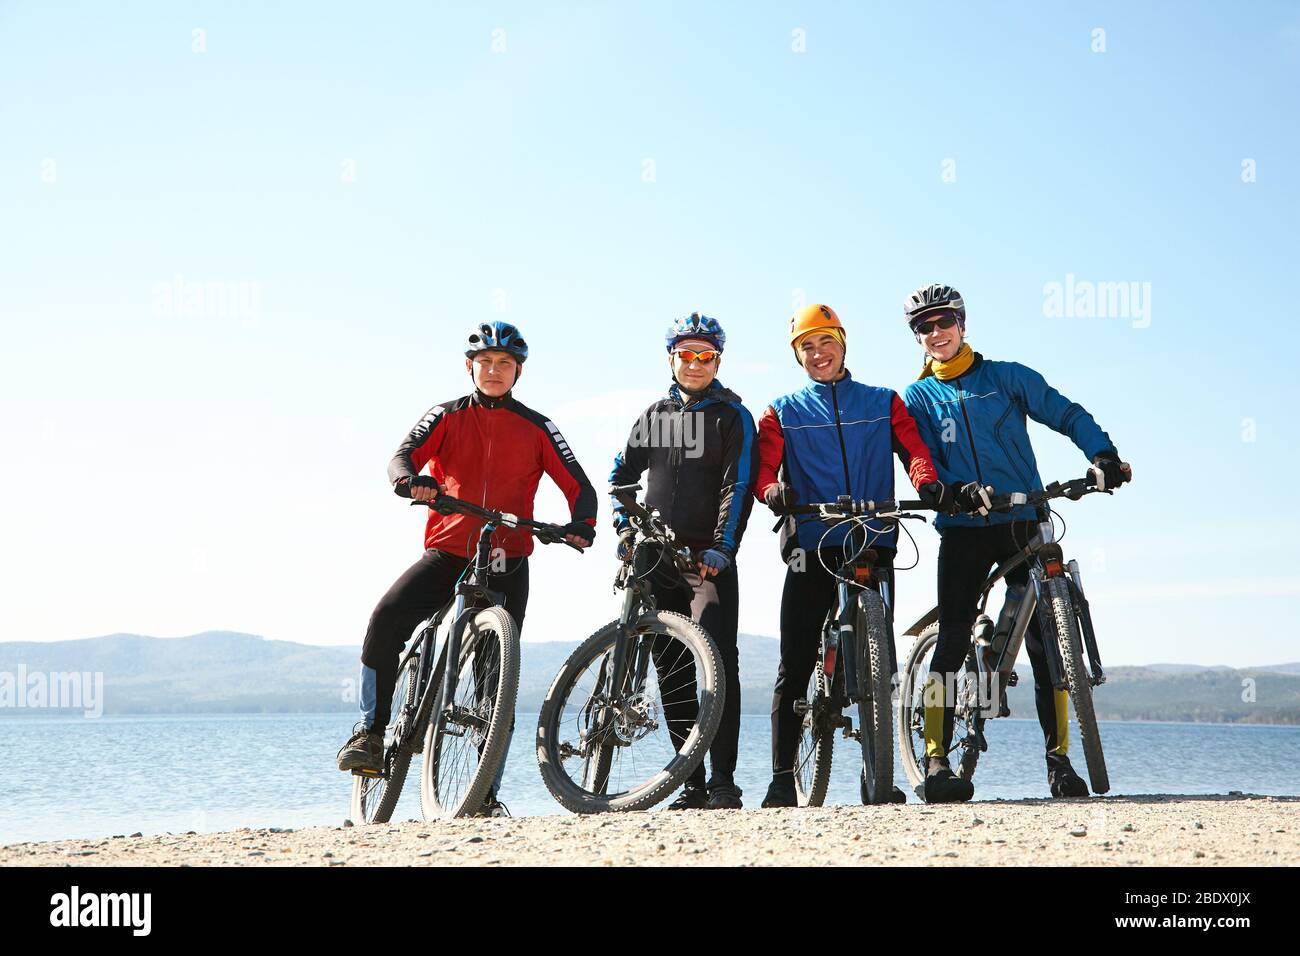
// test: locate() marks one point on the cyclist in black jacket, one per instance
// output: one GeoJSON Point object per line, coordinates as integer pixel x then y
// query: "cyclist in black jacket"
{"type": "Point", "coordinates": [698, 445]}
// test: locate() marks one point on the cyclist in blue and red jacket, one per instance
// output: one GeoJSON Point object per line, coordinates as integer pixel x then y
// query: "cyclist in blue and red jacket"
{"type": "Point", "coordinates": [489, 449]}
{"type": "Point", "coordinates": [972, 412]}
{"type": "Point", "coordinates": [835, 436]}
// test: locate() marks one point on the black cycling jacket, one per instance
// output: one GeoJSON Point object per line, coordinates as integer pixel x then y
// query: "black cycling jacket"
{"type": "Point", "coordinates": [702, 458]}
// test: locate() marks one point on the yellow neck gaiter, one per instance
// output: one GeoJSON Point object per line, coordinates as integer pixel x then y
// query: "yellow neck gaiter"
{"type": "Point", "coordinates": [957, 365]}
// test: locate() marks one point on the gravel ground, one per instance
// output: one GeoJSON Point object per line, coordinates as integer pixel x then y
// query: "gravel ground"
{"type": "Point", "coordinates": [1113, 831]}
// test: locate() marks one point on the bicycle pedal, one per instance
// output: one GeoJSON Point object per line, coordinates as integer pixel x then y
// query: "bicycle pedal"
{"type": "Point", "coordinates": [358, 772]}
{"type": "Point", "coordinates": [1013, 679]}
{"type": "Point", "coordinates": [801, 706]}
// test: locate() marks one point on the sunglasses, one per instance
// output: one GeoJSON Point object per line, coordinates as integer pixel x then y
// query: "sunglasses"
{"type": "Point", "coordinates": [707, 356]}
{"type": "Point", "coordinates": [943, 322]}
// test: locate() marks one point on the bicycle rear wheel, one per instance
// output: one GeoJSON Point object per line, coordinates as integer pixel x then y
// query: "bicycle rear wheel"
{"type": "Point", "coordinates": [374, 798]}
{"type": "Point", "coordinates": [911, 712]}
{"type": "Point", "coordinates": [875, 713]}
{"type": "Point", "coordinates": [1071, 646]}
{"type": "Point", "coordinates": [602, 748]}
{"type": "Point", "coordinates": [467, 735]}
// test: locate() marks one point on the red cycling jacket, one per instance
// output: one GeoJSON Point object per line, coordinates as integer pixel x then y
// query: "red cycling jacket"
{"type": "Point", "coordinates": [491, 451]}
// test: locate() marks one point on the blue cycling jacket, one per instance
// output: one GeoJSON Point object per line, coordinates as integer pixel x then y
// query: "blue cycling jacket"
{"type": "Point", "coordinates": [975, 427]}
{"type": "Point", "coordinates": [832, 439]}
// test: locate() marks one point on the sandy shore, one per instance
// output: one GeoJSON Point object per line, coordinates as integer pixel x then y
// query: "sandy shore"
{"type": "Point", "coordinates": [1132, 831]}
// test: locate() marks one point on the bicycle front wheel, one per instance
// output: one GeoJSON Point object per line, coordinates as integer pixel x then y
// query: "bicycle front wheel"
{"type": "Point", "coordinates": [812, 768]}
{"type": "Point", "coordinates": [875, 726]}
{"type": "Point", "coordinates": [967, 727]}
{"type": "Point", "coordinates": [603, 748]}
{"type": "Point", "coordinates": [467, 735]}
{"type": "Point", "coordinates": [1071, 646]}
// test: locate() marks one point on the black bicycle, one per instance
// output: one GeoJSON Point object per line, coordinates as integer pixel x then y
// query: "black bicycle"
{"type": "Point", "coordinates": [634, 709]}
{"type": "Point", "coordinates": [855, 664]}
{"type": "Point", "coordinates": [1055, 594]}
{"type": "Point", "coordinates": [458, 717]}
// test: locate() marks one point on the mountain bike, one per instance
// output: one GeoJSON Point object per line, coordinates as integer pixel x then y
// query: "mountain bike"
{"type": "Point", "coordinates": [458, 717]}
{"type": "Point", "coordinates": [634, 709]}
{"type": "Point", "coordinates": [855, 663]}
{"type": "Point", "coordinates": [1055, 595]}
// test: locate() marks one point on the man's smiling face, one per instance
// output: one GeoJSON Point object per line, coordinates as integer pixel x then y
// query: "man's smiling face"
{"type": "Point", "coordinates": [822, 356]}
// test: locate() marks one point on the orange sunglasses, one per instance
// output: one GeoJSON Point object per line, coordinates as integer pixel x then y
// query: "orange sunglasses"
{"type": "Point", "coordinates": [707, 356]}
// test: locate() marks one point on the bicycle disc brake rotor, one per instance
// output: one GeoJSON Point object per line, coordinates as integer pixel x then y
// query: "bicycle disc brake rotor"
{"type": "Point", "coordinates": [637, 718]}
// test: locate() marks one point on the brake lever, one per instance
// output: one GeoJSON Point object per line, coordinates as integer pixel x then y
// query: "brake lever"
{"type": "Point", "coordinates": [436, 504]}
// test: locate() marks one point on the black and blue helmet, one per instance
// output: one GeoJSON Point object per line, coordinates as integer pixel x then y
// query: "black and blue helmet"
{"type": "Point", "coordinates": [497, 335]}
{"type": "Point", "coordinates": [696, 326]}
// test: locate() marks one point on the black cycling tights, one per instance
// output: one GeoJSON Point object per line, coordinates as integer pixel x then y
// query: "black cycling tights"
{"type": "Point", "coordinates": [714, 604]}
{"type": "Point", "coordinates": [809, 595]}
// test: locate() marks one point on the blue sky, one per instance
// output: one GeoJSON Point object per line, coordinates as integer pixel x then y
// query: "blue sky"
{"type": "Point", "coordinates": [375, 180]}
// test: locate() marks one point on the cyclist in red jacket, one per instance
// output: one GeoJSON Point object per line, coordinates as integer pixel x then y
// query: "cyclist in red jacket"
{"type": "Point", "coordinates": [487, 448]}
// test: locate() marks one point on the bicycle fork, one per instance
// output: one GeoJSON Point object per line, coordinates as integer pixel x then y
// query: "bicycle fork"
{"type": "Point", "coordinates": [1098, 676]}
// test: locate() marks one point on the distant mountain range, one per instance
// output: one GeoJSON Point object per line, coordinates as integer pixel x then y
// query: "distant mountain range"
{"type": "Point", "coordinates": [225, 672]}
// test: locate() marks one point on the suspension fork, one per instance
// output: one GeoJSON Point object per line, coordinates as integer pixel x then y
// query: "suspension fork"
{"type": "Point", "coordinates": [844, 639]}
{"type": "Point", "coordinates": [451, 652]}
{"type": "Point", "coordinates": [626, 625]}
{"type": "Point", "coordinates": [1047, 630]}
{"type": "Point", "coordinates": [1085, 621]}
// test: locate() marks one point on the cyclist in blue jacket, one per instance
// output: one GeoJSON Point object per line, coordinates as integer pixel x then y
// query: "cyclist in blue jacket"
{"type": "Point", "coordinates": [972, 413]}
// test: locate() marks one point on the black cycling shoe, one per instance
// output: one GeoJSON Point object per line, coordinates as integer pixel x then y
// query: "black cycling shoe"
{"type": "Point", "coordinates": [1061, 778]}
{"type": "Point", "coordinates": [781, 793]}
{"type": "Point", "coordinates": [693, 797]}
{"type": "Point", "coordinates": [364, 751]}
{"type": "Point", "coordinates": [492, 807]}
{"type": "Point", "coordinates": [944, 786]}
{"type": "Point", "coordinates": [895, 795]}
{"type": "Point", "coordinates": [725, 796]}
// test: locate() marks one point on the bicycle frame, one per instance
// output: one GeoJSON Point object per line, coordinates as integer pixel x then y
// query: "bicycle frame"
{"type": "Point", "coordinates": [1044, 557]}
{"type": "Point", "coordinates": [629, 664]}
{"type": "Point", "coordinates": [469, 592]}
{"type": "Point", "coordinates": [844, 634]}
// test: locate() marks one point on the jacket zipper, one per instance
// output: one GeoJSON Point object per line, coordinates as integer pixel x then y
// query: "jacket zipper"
{"type": "Point", "coordinates": [844, 455]}
{"type": "Point", "coordinates": [970, 435]}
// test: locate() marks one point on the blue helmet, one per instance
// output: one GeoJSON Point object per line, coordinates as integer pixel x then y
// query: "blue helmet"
{"type": "Point", "coordinates": [696, 326]}
{"type": "Point", "coordinates": [496, 335]}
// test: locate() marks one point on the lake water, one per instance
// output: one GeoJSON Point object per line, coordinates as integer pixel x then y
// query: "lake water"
{"type": "Point", "coordinates": [68, 777]}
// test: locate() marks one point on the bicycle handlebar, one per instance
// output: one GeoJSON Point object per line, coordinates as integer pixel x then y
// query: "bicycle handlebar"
{"type": "Point", "coordinates": [541, 530]}
{"type": "Point", "coordinates": [651, 526]}
{"type": "Point", "coordinates": [856, 507]}
{"type": "Point", "coordinates": [1074, 489]}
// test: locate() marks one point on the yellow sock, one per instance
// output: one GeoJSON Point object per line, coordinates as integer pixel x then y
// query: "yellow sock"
{"type": "Point", "coordinates": [933, 698]}
{"type": "Point", "coordinates": [1061, 698]}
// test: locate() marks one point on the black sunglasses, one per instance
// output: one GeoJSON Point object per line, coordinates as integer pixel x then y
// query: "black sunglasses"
{"type": "Point", "coordinates": [944, 322]}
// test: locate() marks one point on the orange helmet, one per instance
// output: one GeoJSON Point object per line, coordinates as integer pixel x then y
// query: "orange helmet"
{"type": "Point", "coordinates": [811, 318]}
